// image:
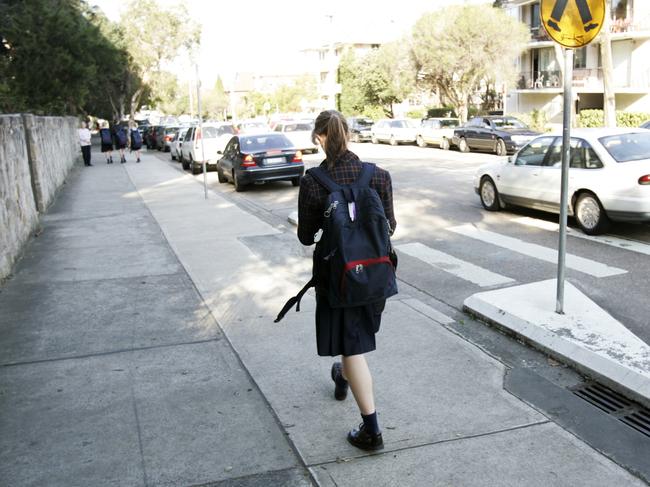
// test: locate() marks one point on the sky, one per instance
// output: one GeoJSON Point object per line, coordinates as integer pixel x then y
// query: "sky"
{"type": "Point", "coordinates": [267, 36]}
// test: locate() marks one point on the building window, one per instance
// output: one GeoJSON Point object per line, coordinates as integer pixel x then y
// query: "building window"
{"type": "Point", "coordinates": [580, 58]}
{"type": "Point", "coordinates": [534, 16]}
{"type": "Point", "coordinates": [621, 9]}
{"type": "Point", "coordinates": [323, 77]}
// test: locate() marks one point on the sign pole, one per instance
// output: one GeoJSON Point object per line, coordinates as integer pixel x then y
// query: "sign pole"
{"type": "Point", "coordinates": [198, 102]}
{"type": "Point", "coordinates": [564, 195]}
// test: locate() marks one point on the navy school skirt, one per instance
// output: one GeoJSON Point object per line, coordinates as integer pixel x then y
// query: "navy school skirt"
{"type": "Point", "coordinates": [346, 331]}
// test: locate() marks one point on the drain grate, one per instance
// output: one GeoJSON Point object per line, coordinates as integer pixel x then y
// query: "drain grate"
{"type": "Point", "coordinates": [626, 411]}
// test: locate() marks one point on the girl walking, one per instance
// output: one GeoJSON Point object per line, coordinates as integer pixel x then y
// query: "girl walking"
{"type": "Point", "coordinates": [346, 331]}
{"type": "Point", "coordinates": [136, 142]}
{"type": "Point", "coordinates": [107, 142]}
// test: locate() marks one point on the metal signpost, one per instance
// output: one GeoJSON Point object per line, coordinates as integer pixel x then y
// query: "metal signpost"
{"type": "Point", "coordinates": [572, 24]}
{"type": "Point", "coordinates": [198, 102]}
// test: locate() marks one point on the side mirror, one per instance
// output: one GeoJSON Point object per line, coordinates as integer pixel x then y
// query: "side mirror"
{"type": "Point", "coordinates": [219, 152]}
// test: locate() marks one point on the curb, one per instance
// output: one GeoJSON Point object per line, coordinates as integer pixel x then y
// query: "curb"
{"type": "Point", "coordinates": [586, 337]}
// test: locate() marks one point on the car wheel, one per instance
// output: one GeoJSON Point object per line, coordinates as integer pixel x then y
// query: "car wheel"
{"type": "Point", "coordinates": [420, 141]}
{"type": "Point", "coordinates": [220, 177]}
{"type": "Point", "coordinates": [197, 169]}
{"type": "Point", "coordinates": [374, 140]}
{"type": "Point", "coordinates": [296, 181]}
{"type": "Point", "coordinates": [172, 156]}
{"type": "Point", "coordinates": [463, 146]}
{"type": "Point", "coordinates": [392, 141]}
{"type": "Point", "coordinates": [489, 194]}
{"type": "Point", "coordinates": [444, 144]}
{"type": "Point", "coordinates": [501, 147]}
{"type": "Point", "coordinates": [239, 187]}
{"type": "Point", "coordinates": [186, 166]}
{"type": "Point", "coordinates": [590, 215]}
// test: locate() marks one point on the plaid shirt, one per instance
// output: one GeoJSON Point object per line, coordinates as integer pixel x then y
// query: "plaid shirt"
{"type": "Point", "coordinates": [313, 197]}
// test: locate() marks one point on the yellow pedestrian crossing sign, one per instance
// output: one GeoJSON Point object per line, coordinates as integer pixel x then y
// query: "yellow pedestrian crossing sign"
{"type": "Point", "coordinates": [573, 23]}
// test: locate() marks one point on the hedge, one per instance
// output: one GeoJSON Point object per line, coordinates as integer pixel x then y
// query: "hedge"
{"type": "Point", "coordinates": [596, 118]}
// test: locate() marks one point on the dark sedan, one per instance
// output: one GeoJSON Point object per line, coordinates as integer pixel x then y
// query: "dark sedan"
{"type": "Point", "coordinates": [359, 128]}
{"type": "Point", "coordinates": [257, 158]}
{"type": "Point", "coordinates": [498, 134]}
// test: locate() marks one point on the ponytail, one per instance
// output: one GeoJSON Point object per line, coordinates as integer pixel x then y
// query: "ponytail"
{"type": "Point", "coordinates": [333, 126]}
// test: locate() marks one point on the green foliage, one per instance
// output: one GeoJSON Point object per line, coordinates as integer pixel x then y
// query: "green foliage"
{"type": "Point", "coordinates": [536, 119]}
{"type": "Point", "coordinates": [351, 100]}
{"type": "Point", "coordinates": [446, 112]}
{"type": "Point", "coordinates": [215, 101]}
{"type": "Point", "coordinates": [419, 114]}
{"type": "Point", "coordinates": [55, 57]}
{"type": "Point", "coordinates": [387, 76]}
{"type": "Point", "coordinates": [456, 47]}
{"type": "Point", "coordinates": [596, 118]}
{"type": "Point", "coordinates": [375, 82]}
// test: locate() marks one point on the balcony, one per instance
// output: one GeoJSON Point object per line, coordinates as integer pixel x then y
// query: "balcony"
{"type": "Point", "coordinates": [538, 80]}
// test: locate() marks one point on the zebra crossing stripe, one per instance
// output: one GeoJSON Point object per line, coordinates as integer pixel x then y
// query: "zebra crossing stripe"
{"type": "Point", "coordinates": [621, 243]}
{"type": "Point", "coordinates": [574, 262]}
{"type": "Point", "coordinates": [452, 265]}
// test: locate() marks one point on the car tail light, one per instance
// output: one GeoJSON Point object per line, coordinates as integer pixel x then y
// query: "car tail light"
{"type": "Point", "coordinates": [297, 157]}
{"type": "Point", "coordinates": [249, 161]}
{"type": "Point", "coordinates": [644, 179]}
{"type": "Point", "coordinates": [167, 138]}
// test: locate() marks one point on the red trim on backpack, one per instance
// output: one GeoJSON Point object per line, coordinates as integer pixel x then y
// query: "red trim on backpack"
{"type": "Point", "coordinates": [365, 262]}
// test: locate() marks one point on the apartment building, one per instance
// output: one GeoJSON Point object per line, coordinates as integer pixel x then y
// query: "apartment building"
{"type": "Point", "coordinates": [539, 84]}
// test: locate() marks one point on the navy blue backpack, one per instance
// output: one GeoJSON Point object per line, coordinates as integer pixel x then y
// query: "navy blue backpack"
{"type": "Point", "coordinates": [105, 136]}
{"type": "Point", "coordinates": [121, 135]}
{"type": "Point", "coordinates": [354, 263]}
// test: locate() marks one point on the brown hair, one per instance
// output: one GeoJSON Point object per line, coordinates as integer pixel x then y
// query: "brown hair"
{"type": "Point", "coordinates": [332, 125]}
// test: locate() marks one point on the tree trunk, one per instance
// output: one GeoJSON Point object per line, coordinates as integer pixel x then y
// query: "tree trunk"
{"type": "Point", "coordinates": [609, 96]}
{"type": "Point", "coordinates": [135, 101]}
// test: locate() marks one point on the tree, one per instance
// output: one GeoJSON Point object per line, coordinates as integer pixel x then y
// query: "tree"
{"type": "Point", "coordinates": [53, 57]}
{"type": "Point", "coordinates": [352, 100]}
{"type": "Point", "coordinates": [388, 75]}
{"type": "Point", "coordinates": [171, 98]}
{"type": "Point", "coordinates": [216, 100]}
{"type": "Point", "coordinates": [154, 35]}
{"type": "Point", "coordinates": [458, 46]}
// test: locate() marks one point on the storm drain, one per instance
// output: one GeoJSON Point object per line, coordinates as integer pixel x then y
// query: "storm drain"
{"type": "Point", "coordinates": [629, 412]}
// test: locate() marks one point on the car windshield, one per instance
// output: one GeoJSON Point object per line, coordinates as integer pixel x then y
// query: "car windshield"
{"type": "Point", "coordinates": [364, 122]}
{"type": "Point", "coordinates": [210, 132]}
{"type": "Point", "coordinates": [260, 143]}
{"type": "Point", "coordinates": [448, 123]}
{"type": "Point", "coordinates": [628, 147]}
{"type": "Point", "coordinates": [227, 129]}
{"type": "Point", "coordinates": [509, 123]}
{"type": "Point", "coordinates": [171, 130]}
{"type": "Point", "coordinates": [298, 127]}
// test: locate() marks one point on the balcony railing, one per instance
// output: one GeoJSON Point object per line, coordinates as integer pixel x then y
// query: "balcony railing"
{"type": "Point", "coordinates": [617, 26]}
{"type": "Point", "coordinates": [537, 80]}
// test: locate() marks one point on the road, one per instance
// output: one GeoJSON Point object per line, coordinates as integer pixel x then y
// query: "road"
{"type": "Point", "coordinates": [451, 248]}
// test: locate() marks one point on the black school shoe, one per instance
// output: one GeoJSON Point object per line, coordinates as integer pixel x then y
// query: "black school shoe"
{"type": "Point", "coordinates": [364, 440]}
{"type": "Point", "coordinates": [340, 384]}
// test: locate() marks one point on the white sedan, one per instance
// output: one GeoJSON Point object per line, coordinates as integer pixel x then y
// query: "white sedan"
{"type": "Point", "coordinates": [609, 177]}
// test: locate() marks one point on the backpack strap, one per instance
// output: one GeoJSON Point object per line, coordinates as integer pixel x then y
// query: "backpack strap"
{"type": "Point", "coordinates": [367, 172]}
{"type": "Point", "coordinates": [324, 179]}
{"type": "Point", "coordinates": [295, 300]}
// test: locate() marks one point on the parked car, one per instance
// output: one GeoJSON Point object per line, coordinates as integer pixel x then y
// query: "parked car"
{"type": "Point", "coordinates": [152, 136]}
{"type": "Point", "coordinates": [177, 143]}
{"type": "Point", "coordinates": [498, 134]}
{"type": "Point", "coordinates": [165, 138]}
{"type": "Point", "coordinates": [646, 125]}
{"type": "Point", "coordinates": [609, 177]}
{"type": "Point", "coordinates": [214, 138]}
{"type": "Point", "coordinates": [437, 131]}
{"type": "Point", "coordinates": [251, 127]}
{"type": "Point", "coordinates": [299, 133]}
{"type": "Point", "coordinates": [394, 131]}
{"type": "Point", "coordinates": [257, 158]}
{"type": "Point", "coordinates": [360, 128]}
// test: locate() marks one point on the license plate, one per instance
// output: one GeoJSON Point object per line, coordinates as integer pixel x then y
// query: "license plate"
{"type": "Point", "coordinates": [275, 160]}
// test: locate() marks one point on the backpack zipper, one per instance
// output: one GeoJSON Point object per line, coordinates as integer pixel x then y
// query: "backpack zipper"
{"type": "Point", "coordinates": [331, 208]}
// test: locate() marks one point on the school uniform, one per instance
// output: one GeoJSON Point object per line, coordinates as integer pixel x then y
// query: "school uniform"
{"type": "Point", "coordinates": [342, 331]}
{"type": "Point", "coordinates": [136, 140]}
{"type": "Point", "coordinates": [107, 139]}
{"type": "Point", "coordinates": [84, 141]}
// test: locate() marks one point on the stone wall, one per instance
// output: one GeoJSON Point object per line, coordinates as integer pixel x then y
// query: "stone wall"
{"type": "Point", "coordinates": [36, 155]}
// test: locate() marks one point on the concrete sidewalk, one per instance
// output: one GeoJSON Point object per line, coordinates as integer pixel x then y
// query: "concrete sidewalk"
{"type": "Point", "coordinates": [139, 348]}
